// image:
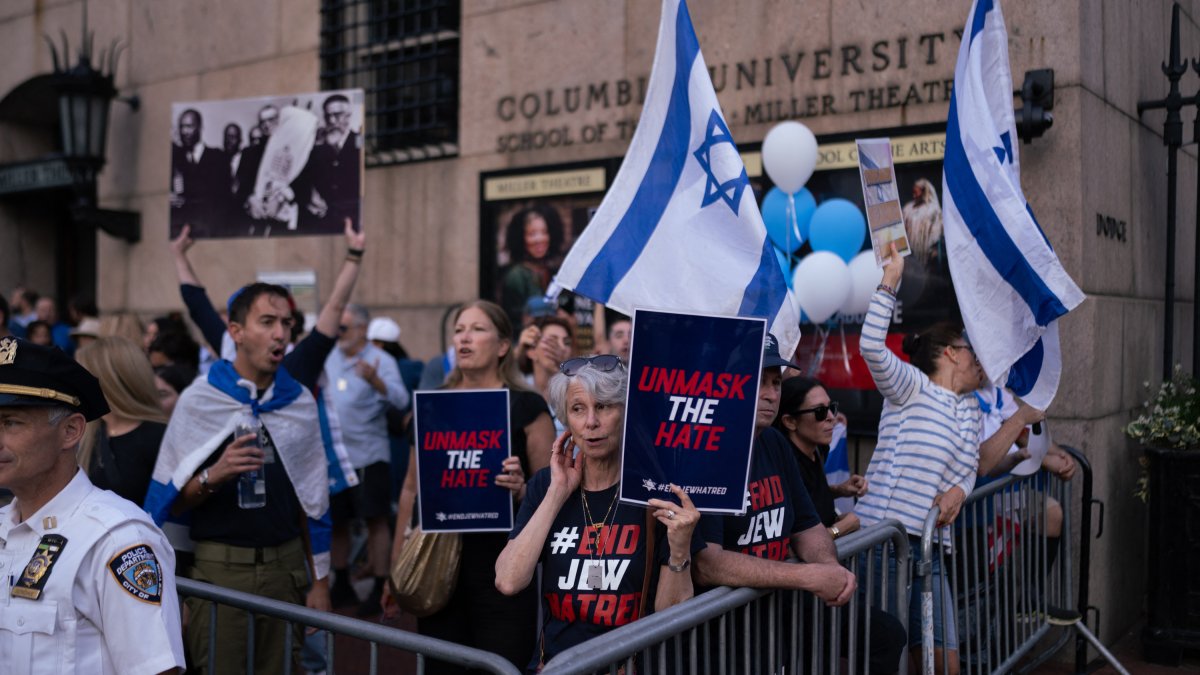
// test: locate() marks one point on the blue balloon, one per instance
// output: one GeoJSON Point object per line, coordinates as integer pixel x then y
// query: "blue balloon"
{"type": "Point", "coordinates": [838, 226]}
{"type": "Point", "coordinates": [785, 264]}
{"type": "Point", "coordinates": [775, 217]}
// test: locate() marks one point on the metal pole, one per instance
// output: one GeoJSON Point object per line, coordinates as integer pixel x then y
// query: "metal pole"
{"type": "Point", "coordinates": [1174, 69]}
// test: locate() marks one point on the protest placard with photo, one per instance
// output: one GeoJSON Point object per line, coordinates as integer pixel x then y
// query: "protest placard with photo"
{"type": "Point", "coordinates": [689, 414]}
{"type": "Point", "coordinates": [463, 438]}
{"type": "Point", "coordinates": [267, 167]}
{"type": "Point", "coordinates": [881, 196]}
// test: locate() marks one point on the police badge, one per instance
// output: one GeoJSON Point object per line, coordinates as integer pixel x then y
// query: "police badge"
{"type": "Point", "coordinates": [137, 571]}
{"type": "Point", "coordinates": [37, 572]}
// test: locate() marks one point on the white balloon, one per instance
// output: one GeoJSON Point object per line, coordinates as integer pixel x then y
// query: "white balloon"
{"type": "Point", "coordinates": [865, 276]}
{"type": "Point", "coordinates": [821, 284]}
{"type": "Point", "coordinates": [789, 155]}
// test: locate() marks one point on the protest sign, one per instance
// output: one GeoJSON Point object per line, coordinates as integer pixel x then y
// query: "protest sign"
{"type": "Point", "coordinates": [267, 167]}
{"type": "Point", "coordinates": [881, 196]}
{"type": "Point", "coordinates": [462, 441]}
{"type": "Point", "coordinates": [689, 413]}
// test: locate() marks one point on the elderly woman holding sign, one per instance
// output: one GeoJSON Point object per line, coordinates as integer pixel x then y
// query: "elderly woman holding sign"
{"type": "Point", "coordinates": [604, 562]}
{"type": "Point", "coordinates": [476, 615]}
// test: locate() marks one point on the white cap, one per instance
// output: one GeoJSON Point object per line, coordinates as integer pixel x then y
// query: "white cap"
{"type": "Point", "coordinates": [383, 329]}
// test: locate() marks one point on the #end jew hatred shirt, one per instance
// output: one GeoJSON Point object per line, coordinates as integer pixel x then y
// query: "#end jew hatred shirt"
{"type": "Point", "coordinates": [777, 504]}
{"type": "Point", "coordinates": [574, 610]}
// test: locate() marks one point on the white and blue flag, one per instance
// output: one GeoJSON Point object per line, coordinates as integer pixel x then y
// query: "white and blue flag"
{"type": "Point", "coordinates": [837, 466]}
{"type": "Point", "coordinates": [1011, 286]}
{"type": "Point", "coordinates": [679, 228]}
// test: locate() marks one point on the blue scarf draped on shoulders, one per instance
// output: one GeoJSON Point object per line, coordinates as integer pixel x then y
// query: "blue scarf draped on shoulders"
{"type": "Point", "coordinates": [222, 376]}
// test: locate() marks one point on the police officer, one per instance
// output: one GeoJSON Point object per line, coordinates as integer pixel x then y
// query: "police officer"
{"type": "Point", "coordinates": [87, 579]}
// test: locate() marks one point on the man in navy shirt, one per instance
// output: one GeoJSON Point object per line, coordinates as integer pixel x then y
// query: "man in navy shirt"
{"type": "Point", "coordinates": [780, 520]}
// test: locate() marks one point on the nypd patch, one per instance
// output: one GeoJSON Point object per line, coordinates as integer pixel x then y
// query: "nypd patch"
{"type": "Point", "coordinates": [138, 572]}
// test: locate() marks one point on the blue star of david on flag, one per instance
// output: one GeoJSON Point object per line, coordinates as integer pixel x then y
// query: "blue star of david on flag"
{"type": "Point", "coordinates": [729, 191]}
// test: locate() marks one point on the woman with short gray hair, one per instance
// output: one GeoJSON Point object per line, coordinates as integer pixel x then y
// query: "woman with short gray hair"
{"type": "Point", "coordinates": [598, 562]}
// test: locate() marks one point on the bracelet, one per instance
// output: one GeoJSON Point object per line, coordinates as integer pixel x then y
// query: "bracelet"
{"type": "Point", "coordinates": [355, 251]}
{"type": "Point", "coordinates": [886, 289]}
{"type": "Point", "coordinates": [352, 259]}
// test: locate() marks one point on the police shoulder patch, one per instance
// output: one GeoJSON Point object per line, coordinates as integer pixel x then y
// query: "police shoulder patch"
{"type": "Point", "coordinates": [138, 572]}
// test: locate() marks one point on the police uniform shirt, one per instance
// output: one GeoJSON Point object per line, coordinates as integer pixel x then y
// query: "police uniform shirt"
{"type": "Point", "coordinates": [97, 603]}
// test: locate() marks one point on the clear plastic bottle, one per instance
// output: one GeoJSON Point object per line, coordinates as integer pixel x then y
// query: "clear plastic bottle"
{"type": "Point", "coordinates": [251, 485]}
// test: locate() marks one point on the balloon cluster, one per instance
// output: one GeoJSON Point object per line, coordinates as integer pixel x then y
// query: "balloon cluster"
{"type": "Point", "coordinates": [838, 275]}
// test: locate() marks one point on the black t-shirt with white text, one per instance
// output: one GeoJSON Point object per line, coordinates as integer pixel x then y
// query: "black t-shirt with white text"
{"type": "Point", "coordinates": [777, 504]}
{"type": "Point", "coordinates": [574, 608]}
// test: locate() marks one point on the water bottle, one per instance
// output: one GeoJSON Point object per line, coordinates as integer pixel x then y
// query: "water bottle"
{"type": "Point", "coordinates": [251, 485]}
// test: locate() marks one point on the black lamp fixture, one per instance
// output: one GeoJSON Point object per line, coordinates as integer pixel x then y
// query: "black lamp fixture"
{"type": "Point", "coordinates": [85, 95]}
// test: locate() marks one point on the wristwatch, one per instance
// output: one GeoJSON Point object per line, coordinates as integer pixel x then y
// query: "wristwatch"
{"type": "Point", "coordinates": [680, 567]}
{"type": "Point", "coordinates": [834, 531]}
{"type": "Point", "coordinates": [204, 481]}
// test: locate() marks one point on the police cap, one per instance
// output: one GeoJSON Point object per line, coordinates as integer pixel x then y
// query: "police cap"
{"type": "Point", "coordinates": [33, 375]}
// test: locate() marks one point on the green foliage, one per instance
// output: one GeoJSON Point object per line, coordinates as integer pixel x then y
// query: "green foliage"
{"type": "Point", "coordinates": [1170, 419]}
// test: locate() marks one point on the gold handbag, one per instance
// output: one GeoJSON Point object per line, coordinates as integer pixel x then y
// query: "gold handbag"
{"type": "Point", "coordinates": [425, 574]}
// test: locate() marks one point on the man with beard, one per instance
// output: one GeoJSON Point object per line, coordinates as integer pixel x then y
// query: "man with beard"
{"type": "Point", "coordinates": [334, 169]}
{"type": "Point", "coordinates": [923, 222]}
{"type": "Point", "coordinates": [199, 178]}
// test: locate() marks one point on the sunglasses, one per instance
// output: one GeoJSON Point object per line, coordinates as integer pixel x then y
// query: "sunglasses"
{"type": "Point", "coordinates": [820, 412]}
{"type": "Point", "coordinates": [605, 363]}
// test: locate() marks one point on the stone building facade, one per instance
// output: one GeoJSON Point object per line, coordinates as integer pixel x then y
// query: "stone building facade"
{"type": "Point", "coordinates": [548, 86]}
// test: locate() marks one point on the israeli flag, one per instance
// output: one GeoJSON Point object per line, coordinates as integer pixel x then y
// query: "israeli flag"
{"type": "Point", "coordinates": [1011, 286]}
{"type": "Point", "coordinates": [837, 467]}
{"type": "Point", "coordinates": [679, 228]}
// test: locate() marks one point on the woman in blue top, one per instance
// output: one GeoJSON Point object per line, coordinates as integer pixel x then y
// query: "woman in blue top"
{"type": "Point", "coordinates": [928, 448]}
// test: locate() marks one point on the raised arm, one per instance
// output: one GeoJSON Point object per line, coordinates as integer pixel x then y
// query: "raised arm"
{"type": "Point", "coordinates": [200, 308]}
{"type": "Point", "coordinates": [331, 313]}
{"type": "Point", "coordinates": [994, 450]}
{"type": "Point", "coordinates": [896, 380]}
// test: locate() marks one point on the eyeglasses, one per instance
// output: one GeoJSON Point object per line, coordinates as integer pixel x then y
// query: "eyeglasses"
{"type": "Point", "coordinates": [605, 363]}
{"type": "Point", "coordinates": [963, 347]}
{"type": "Point", "coordinates": [820, 412]}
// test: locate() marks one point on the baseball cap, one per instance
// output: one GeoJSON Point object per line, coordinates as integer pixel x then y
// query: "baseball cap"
{"type": "Point", "coordinates": [771, 357]}
{"type": "Point", "coordinates": [383, 329]}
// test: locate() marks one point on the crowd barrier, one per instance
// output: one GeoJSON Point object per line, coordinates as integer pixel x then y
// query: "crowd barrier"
{"type": "Point", "coordinates": [372, 634]}
{"type": "Point", "coordinates": [1009, 583]}
{"type": "Point", "coordinates": [747, 630]}
{"type": "Point", "coordinates": [1009, 587]}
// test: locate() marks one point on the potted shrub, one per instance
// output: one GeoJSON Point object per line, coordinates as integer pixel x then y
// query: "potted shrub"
{"type": "Point", "coordinates": [1168, 430]}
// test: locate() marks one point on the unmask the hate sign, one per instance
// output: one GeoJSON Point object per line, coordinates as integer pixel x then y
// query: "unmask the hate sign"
{"type": "Point", "coordinates": [462, 441]}
{"type": "Point", "coordinates": [689, 414]}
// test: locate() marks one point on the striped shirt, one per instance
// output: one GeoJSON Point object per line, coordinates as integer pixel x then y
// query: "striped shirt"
{"type": "Point", "coordinates": [928, 435]}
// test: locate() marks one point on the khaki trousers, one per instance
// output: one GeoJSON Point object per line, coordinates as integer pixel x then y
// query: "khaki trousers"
{"type": "Point", "coordinates": [279, 573]}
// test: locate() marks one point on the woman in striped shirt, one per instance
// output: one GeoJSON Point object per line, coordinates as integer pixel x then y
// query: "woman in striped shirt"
{"type": "Point", "coordinates": [928, 447]}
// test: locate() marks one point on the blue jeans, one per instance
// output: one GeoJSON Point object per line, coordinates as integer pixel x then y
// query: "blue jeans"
{"type": "Point", "coordinates": [943, 600]}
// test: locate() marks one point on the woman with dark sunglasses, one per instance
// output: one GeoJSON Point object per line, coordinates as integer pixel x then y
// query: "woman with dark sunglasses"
{"type": "Point", "coordinates": [928, 448]}
{"type": "Point", "coordinates": [604, 563]}
{"type": "Point", "coordinates": [808, 419]}
{"type": "Point", "coordinates": [477, 615]}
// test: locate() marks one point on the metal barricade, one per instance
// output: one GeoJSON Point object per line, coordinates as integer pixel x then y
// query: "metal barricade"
{"type": "Point", "coordinates": [1000, 575]}
{"type": "Point", "coordinates": [748, 630]}
{"type": "Point", "coordinates": [374, 634]}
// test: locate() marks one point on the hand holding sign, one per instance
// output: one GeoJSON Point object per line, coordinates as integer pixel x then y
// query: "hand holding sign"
{"type": "Point", "coordinates": [680, 520]}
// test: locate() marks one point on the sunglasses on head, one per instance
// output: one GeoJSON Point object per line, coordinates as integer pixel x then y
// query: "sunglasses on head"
{"type": "Point", "coordinates": [820, 412]}
{"type": "Point", "coordinates": [604, 363]}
